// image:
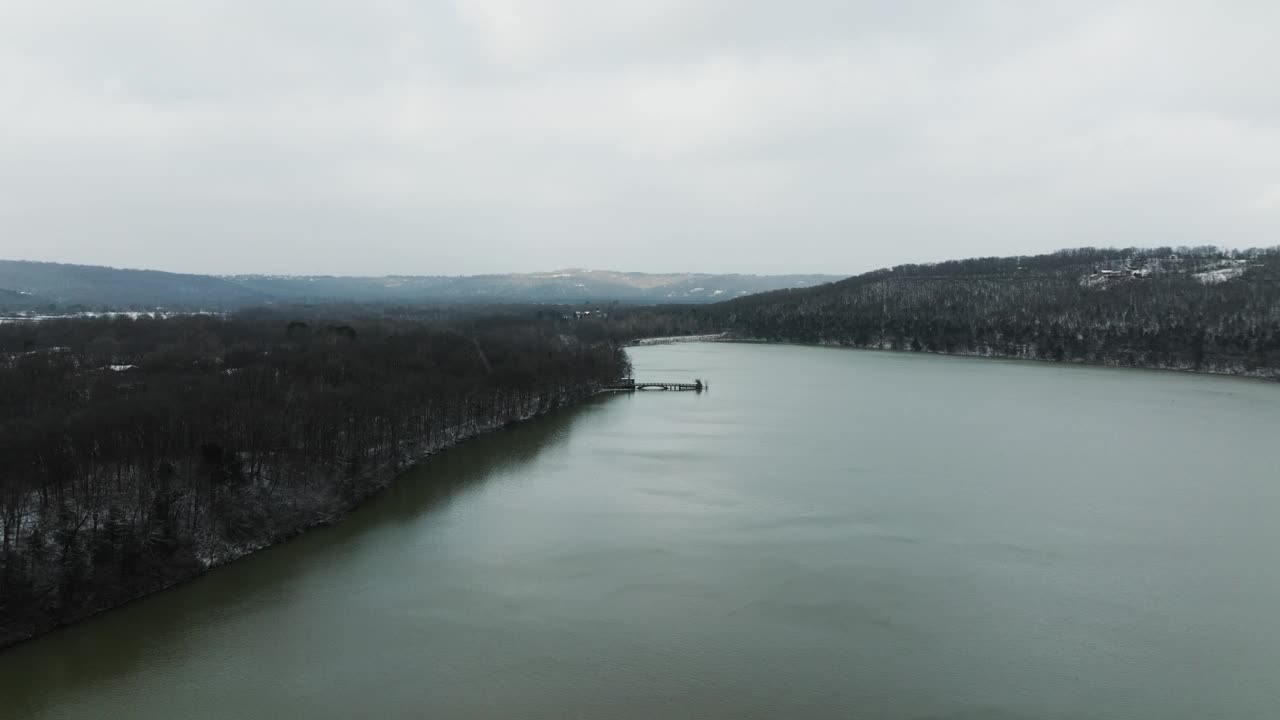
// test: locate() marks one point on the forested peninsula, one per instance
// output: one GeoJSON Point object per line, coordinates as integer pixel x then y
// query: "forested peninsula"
{"type": "Point", "coordinates": [1201, 309]}
{"type": "Point", "coordinates": [138, 453]}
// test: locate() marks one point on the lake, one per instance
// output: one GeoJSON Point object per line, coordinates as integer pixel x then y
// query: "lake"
{"type": "Point", "coordinates": [824, 534]}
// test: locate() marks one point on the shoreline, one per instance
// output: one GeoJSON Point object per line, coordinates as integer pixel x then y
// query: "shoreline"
{"type": "Point", "coordinates": [379, 480]}
{"type": "Point", "coordinates": [1265, 374]}
{"type": "Point", "coordinates": [677, 339]}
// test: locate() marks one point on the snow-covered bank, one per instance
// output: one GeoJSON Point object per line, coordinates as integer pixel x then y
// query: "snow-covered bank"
{"type": "Point", "coordinates": [679, 339]}
{"type": "Point", "coordinates": [1029, 353]}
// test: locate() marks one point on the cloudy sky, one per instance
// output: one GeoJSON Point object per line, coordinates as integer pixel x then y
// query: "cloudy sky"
{"type": "Point", "coordinates": [438, 137]}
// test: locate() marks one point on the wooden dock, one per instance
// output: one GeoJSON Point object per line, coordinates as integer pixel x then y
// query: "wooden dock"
{"type": "Point", "coordinates": [631, 385]}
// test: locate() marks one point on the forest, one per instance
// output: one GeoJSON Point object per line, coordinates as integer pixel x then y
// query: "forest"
{"type": "Point", "coordinates": [1200, 309]}
{"type": "Point", "coordinates": [137, 453]}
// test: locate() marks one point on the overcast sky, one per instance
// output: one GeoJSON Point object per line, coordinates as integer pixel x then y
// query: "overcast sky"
{"type": "Point", "coordinates": [437, 137]}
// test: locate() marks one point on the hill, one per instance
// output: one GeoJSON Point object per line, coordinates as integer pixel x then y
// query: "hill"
{"type": "Point", "coordinates": [21, 300]}
{"type": "Point", "coordinates": [562, 286]}
{"type": "Point", "coordinates": [1202, 308]}
{"type": "Point", "coordinates": [97, 287]}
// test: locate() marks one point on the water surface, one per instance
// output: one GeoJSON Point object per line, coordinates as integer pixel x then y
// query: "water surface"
{"type": "Point", "coordinates": [824, 534]}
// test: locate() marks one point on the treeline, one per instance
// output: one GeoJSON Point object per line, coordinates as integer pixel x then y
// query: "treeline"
{"type": "Point", "coordinates": [1187, 308]}
{"type": "Point", "coordinates": [137, 453]}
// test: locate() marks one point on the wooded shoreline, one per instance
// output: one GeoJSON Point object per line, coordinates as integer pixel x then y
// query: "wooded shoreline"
{"type": "Point", "coordinates": [1265, 374]}
{"type": "Point", "coordinates": [375, 483]}
{"type": "Point", "coordinates": [139, 453]}
{"type": "Point", "coordinates": [1200, 309]}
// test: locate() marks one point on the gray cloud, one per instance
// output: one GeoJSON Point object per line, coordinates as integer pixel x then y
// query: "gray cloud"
{"type": "Point", "coordinates": [718, 135]}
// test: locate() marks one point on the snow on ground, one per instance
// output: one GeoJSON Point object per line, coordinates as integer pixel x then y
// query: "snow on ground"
{"type": "Point", "coordinates": [131, 314]}
{"type": "Point", "coordinates": [1214, 277]}
{"type": "Point", "coordinates": [679, 339]}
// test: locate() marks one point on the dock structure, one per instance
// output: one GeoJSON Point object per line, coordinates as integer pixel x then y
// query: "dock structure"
{"type": "Point", "coordinates": [631, 384]}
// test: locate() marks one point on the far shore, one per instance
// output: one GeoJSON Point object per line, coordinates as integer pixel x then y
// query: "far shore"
{"type": "Point", "coordinates": [1240, 372]}
{"type": "Point", "coordinates": [672, 339]}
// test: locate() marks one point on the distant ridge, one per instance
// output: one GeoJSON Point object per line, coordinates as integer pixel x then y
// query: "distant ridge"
{"type": "Point", "coordinates": [26, 285]}
{"type": "Point", "coordinates": [95, 286]}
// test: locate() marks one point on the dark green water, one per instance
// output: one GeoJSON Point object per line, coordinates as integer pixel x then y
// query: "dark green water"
{"type": "Point", "coordinates": [825, 534]}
